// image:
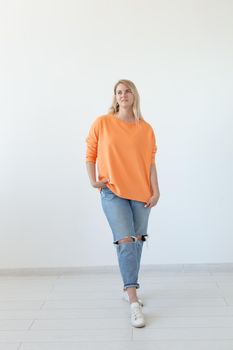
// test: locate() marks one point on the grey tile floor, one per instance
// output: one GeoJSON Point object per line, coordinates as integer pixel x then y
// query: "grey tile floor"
{"type": "Point", "coordinates": [186, 307]}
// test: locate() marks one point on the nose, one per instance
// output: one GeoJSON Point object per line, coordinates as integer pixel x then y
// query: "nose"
{"type": "Point", "coordinates": [124, 94]}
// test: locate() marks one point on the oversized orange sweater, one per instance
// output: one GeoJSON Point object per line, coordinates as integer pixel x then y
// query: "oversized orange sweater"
{"type": "Point", "coordinates": [124, 152]}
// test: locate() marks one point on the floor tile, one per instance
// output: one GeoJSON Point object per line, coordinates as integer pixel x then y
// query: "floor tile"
{"type": "Point", "coordinates": [132, 345]}
{"type": "Point", "coordinates": [83, 304]}
{"type": "Point", "coordinates": [7, 325]}
{"type": "Point", "coordinates": [188, 311]}
{"type": "Point", "coordinates": [12, 336]}
{"type": "Point", "coordinates": [9, 346]}
{"type": "Point", "coordinates": [23, 305]}
{"type": "Point", "coordinates": [77, 335]}
{"type": "Point", "coordinates": [184, 333]}
{"type": "Point", "coordinates": [190, 322]}
{"type": "Point", "coordinates": [186, 301]}
{"type": "Point", "coordinates": [82, 323]}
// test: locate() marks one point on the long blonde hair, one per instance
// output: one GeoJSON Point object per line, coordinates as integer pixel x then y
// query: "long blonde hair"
{"type": "Point", "coordinates": [136, 104]}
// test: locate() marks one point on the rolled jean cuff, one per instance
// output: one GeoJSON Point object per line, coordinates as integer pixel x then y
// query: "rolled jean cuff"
{"type": "Point", "coordinates": [131, 285]}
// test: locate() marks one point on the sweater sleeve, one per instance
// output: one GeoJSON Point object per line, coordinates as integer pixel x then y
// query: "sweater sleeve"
{"type": "Point", "coordinates": [154, 148]}
{"type": "Point", "coordinates": [92, 142]}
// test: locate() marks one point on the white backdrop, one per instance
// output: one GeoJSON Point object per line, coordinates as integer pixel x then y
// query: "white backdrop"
{"type": "Point", "coordinates": [59, 62]}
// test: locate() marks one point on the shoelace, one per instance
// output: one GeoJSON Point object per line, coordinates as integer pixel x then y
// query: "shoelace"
{"type": "Point", "coordinates": [137, 313]}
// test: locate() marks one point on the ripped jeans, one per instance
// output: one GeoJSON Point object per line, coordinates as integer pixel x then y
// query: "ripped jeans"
{"type": "Point", "coordinates": [126, 218]}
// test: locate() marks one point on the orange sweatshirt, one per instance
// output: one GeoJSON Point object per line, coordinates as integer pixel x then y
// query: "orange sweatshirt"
{"type": "Point", "coordinates": [124, 152]}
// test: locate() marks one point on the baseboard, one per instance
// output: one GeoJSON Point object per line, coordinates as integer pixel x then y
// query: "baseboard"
{"type": "Point", "coordinates": [46, 271]}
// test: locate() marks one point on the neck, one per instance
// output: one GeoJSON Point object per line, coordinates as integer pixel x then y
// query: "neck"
{"type": "Point", "coordinates": [126, 114]}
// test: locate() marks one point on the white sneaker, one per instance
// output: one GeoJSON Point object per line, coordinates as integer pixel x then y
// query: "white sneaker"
{"type": "Point", "coordinates": [137, 319]}
{"type": "Point", "coordinates": [126, 298]}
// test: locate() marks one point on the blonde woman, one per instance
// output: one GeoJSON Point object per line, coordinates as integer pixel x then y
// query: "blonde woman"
{"type": "Point", "coordinates": [124, 146]}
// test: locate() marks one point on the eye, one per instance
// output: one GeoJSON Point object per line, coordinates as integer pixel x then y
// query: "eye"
{"type": "Point", "coordinates": [119, 92]}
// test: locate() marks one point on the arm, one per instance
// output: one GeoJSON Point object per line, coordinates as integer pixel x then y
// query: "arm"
{"type": "Point", "coordinates": [154, 181]}
{"type": "Point", "coordinates": [91, 170]}
{"type": "Point", "coordinates": [154, 186]}
{"type": "Point", "coordinates": [91, 154]}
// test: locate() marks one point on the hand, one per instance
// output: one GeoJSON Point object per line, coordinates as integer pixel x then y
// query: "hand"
{"type": "Point", "coordinates": [152, 201]}
{"type": "Point", "coordinates": [100, 184]}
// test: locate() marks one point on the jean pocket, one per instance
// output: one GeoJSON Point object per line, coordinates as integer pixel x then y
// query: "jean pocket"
{"type": "Point", "coordinates": [106, 193]}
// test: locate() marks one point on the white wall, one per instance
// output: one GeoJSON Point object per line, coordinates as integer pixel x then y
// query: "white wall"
{"type": "Point", "coordinates": [59, 62]}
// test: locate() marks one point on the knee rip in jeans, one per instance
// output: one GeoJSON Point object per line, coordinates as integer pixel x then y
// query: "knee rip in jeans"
{"type": "Point", "coordinates": [131, 239]}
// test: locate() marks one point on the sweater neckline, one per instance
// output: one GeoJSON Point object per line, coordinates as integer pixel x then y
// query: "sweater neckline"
{"type": "Point", "coordinates": [123, 121]}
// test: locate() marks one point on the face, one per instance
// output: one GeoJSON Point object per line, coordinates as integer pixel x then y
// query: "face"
{"type": "Point", "coordinates": [124, 96]}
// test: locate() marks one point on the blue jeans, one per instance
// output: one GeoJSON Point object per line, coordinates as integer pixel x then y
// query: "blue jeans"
{"type": "Point", "coordinates": [126, 217]}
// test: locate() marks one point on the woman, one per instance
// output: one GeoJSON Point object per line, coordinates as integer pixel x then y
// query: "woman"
{"type": "Point", "coordinates": [124, 145]}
